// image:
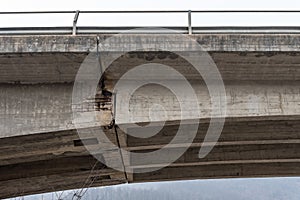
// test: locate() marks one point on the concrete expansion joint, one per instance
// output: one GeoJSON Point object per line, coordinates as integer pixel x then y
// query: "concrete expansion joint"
{"type": "Point", "coordinates": [106, 96]}
{"type": "Point", "coordinates": [121, 154]}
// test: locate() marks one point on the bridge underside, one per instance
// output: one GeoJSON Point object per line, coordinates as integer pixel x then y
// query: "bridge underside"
{"type": "Point", "coordinates": [41, 151]}
{"type": "Point", "coordinates": [53, 161]}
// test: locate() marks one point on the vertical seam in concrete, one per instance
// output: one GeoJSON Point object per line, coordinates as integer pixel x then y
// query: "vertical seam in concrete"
{"type": "Point", "coordinates": [121, 155]}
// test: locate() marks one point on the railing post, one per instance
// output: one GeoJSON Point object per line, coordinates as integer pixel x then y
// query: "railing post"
{"type": "Point", "coordinates": [75, 22]}
{"type": "Point", "coordinates": [190, 21]}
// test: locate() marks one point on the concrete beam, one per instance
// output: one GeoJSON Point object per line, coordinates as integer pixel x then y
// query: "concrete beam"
{"type": "Point", "coordinates": [39, 68]}
{"type": "Point", "coordinates": [210, 42]}
{"type": "Point", "coordinates": [260, 136]}
{"type": "Point", "coordinates": [29, 109]}
{"type": "Point", "coordinates": [55, 175]}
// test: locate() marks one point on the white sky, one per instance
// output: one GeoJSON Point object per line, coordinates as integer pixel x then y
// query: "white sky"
{"type": "Point", "coordinates": [150, 19]}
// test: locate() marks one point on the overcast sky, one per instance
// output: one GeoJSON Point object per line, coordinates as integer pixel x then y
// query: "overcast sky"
{"type": "Point", "coordinates": [17, 5]}
{"type": "Point", "coordinates": [150, 19]}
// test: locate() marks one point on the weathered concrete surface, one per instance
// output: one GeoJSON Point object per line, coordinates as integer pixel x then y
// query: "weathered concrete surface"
{"type": "Point", "coordinates": [39, 67]}
{"type": "Point", "coordinates": [243, 100]}
{"type": "Point", "coordinates": [53, 59]}
{"type": "Point", "coordinates": [32, 68]}
{"type": "Point", "coordinates": [31, 44]}
{"type": "Point", "coordinates": [248, 147]}
{"type": "Point", "coordinates": [40, 150]}
{"type": "Point", "coordinates": [30, 109]}
{"type": "Point", "coordinates": [52, 161]}
{"type": "Point", "coordinates": [209, 42]}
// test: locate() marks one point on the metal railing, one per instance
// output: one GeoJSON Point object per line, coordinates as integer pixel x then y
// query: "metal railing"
{"type": "Point", "coordinates": [189, 29]}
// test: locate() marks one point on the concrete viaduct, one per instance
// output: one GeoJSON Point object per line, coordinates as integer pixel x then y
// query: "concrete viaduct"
{"type": "Point", "coordinates": [40, 150]}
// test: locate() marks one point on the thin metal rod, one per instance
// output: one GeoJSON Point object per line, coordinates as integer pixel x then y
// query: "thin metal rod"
{"type": "Point", "coordinates": [113, 30]}
{"type": "Point", "coordinates": [36, 12]}
{"type": "Point", "coordinates": [190, 22]}
{"type": "Point", "coordinates": [155, 11]}
{"type": "Point", "coordinates": [75, 22]}
{"type": "Point", "coordinates": [247, 11]}
{"type": "Point", "coordinates": [97, 11]}
{"type": "Point", "coordinates": [136, 11]}
{"type": "Point", "coordinates": [197, 11]}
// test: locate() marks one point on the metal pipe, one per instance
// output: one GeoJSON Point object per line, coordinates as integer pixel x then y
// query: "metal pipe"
{"type": "Point", "coordinates": [155, 11]}
{"type": "Point", "coordinates": [75, 22]}
{"type": "Point", "coordinates": [36, 12]}
{"type": "Point", "coordinates": [114, 30]}
{"type": "Point", "coordinates": [190, 22]}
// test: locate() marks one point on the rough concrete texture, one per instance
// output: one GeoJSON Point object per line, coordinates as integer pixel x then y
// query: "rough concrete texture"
{"type": "Point", "coordinates": [243, 100]}
{"type": "Point", "coordinates": [233, 66]}
{"type": "Point", "coordinates": [35, 108]}
{"type": "Point", "coordinates": [40, 149]}
{"type": "Point", "coordinates": [210, 42]}
{"type": "Point", "coordinates": [28, 109]}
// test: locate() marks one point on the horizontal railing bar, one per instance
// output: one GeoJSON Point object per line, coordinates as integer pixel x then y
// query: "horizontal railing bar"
{"type": "Point", "coordinates": [246, 11]}
{"type": "Point", "coordinates": [37, 12]}
{"type": "Point", "coordinates": [198, 11]}
{"type": "Point", "coordinates": [112, 30]}
{"type": "Point", "coordinates": [137, 11]}
{"type": "Point", "coordinates": [155, 11]}
{"type": "Point", "coordinates": [152, 27]}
